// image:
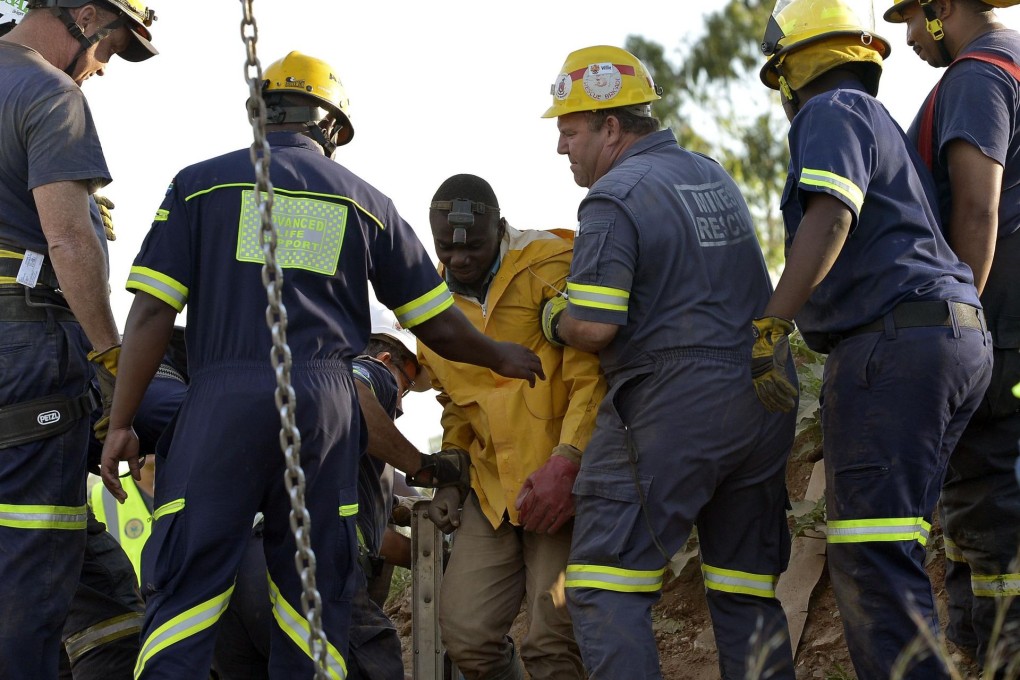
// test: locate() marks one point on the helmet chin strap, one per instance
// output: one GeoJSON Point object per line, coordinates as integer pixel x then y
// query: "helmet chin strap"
{"type": "Point", "coordinates": [86, 42]}
{"type": "Point", "coordinates": [934, 26]}
{"type": "Point", "coordinates": [317, 134]}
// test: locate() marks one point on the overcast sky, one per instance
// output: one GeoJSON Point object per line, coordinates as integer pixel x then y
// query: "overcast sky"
{"type": "Point", "coordinates": [436, 89]}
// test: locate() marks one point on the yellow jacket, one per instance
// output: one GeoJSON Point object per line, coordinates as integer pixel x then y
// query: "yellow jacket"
{"type": "Point", "coordinates": [508, 427]}
{"type": "Point", "coordinates": [129, 523]}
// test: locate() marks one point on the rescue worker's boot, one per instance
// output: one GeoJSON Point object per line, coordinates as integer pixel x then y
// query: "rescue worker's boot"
{"type": "Point", "coordinates": [513, 670]}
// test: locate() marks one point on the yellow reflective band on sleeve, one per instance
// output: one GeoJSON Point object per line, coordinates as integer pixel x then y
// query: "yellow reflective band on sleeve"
{"type": "Point", "coordinates": [613, 578]}
{"type": "Point", "coordinates": [168, 509]}
{"type": "Point", "coordinates": [159, 286]}
{"type": "Point", "coordinates": [830, 180]}
{"type": "Point", "coordinates": [598, 297]}
{"type": "Point", "coordinates": [429, 305]}
{"type": "Point", "coordinates": [349, 510]}
{"type": "Point", "coordinates": [161, 215]}
{"type": "Point", "coordinates": [295, 626]}
{"type": "Point", "coordinates": [881, 529]}
{"type": "Point", "coordinates": [953, 552]}
{"type": "Point", "coordinates": [732, 581]}
{"type": "Point", "coordinates": [43, 517]}
{"type": "Point", "coordinates": [997, 585]}
{"type": "Point", "coordinates": [102, 633]}
{"type": "Point", "coordinates": [182, 626]}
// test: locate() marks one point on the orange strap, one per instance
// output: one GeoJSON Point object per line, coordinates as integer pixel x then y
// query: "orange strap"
{"type": "Point", "coordinates": [926, 132]}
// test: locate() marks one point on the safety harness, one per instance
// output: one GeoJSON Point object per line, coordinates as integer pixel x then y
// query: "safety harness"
{"type": "Point", "coordinates": [926, 132]}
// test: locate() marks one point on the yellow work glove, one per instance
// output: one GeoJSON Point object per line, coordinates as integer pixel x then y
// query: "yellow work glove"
{"type": "Point", "coordinates": [105, 206]}
{"type": "Point", "coordinates": [105, 365]}
{"type": "Point", "coordinates": [769, 356]}
{"type": "Point", "coordinates": [550, 319]}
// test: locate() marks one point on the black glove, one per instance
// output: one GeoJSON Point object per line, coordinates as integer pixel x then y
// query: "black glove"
{"type": "Point", "coordinates": [449, 467]}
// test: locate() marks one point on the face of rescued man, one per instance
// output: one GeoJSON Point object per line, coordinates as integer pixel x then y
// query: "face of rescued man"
{"type": "Point", "coordinates": [469, 262]}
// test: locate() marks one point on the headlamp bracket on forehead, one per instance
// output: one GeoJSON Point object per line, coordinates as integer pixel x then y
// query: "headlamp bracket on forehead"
{"type": "Point", "coordinates": [462, 215]}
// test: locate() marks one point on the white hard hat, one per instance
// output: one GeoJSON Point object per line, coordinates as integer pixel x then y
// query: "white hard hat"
{"type": "Point", "coordinates": [385, 324]}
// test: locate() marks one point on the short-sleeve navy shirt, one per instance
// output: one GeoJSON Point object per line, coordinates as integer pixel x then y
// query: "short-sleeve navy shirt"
{"type": "Point", "coordinates": [844, 143]}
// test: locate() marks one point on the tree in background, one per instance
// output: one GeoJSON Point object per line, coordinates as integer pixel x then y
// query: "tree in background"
{"type": "Point", "coordinates": [715, 104]}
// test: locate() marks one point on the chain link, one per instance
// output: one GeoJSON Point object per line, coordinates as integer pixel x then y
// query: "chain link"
{"type": "Point", "coordinates": [276, 319]}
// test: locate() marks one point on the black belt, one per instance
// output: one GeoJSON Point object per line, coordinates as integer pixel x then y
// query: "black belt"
{"type": "Point", "coordinates": [14, 306]}
{"type": "Point", "coordinates": [43, 418]}
{"type": "Point", "coordinates": [10, 266]}
{"type": "Point", "coordinates": [921, 314]}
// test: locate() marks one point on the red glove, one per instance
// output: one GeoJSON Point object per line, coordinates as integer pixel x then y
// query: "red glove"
{"type": "Point", "coordinates": [546, 501]}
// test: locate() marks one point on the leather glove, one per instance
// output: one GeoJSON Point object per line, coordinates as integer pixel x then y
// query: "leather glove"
{"type": "Point", "coordinates": [105, 206]}
{"type": "Point", "coordinates": [546, 501]}
{"type": "Point", "coordinates": [550, 319]}
{"type": "Point", "coordinates": [402, 509]}
{"type": "Point", "coordinates": [105, 365]}
{"type": "Point", "coordinates": [444, 510]}
{"type": "Point", "coordinates": [449, 467]}
{"type": "Point", "coordinates": [769, 355]}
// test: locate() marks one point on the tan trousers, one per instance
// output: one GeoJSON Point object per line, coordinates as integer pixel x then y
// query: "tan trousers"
{"type": "Point", "coordinates": [489, 574]}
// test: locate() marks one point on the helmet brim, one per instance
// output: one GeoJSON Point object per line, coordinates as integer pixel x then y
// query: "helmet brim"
{"type": "Point", "coordinates": [894, 15]}
{"type": "Point", "coordinates": [140, 48]}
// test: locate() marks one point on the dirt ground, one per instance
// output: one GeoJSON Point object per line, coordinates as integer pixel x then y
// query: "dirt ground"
{"type": "Point", "coordinates": [684, 633]}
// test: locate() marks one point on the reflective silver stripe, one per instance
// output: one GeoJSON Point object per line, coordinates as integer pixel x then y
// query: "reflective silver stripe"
{"type": "Point", "coordinates": [879, 529]}
{"type": "Point", "coordinates": [598, 297]}
{"type": "Point", "coordinates": [613, 578]}
{"type": "Point", "coordinates": [425, 307]}
{"type": "Point", "coordinates": [732, 581]}
{"type": "Point", "coordinates": [43, 517]}
{"type": "Point", "coordinates": [997, 585]}
{"type": "Point", "coordinates": [159, 286]}
{"type": "Point", "coordinates": [953, 552]}
{"type": "Point", "coordinates": [839, 184]}
{"type": "Point", "coordinates": [182, 626]}
{"type": "Point", "coordinates": [296, 628]}
{"type": "Point", "coordinates": [102, 633]}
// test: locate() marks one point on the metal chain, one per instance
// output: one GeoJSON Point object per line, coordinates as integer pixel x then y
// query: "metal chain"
{"type": "Point", "coordinates": [276, 319]}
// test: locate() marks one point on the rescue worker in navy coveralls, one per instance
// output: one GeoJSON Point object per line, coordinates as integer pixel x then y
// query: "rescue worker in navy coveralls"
{"type": "Point", "coordinates": [55, 312]}
{"type": "Point", "coordinates": [336, 233]}
{"type": "Point", "coordinates": [384, 374]}
{"type": "Point", "coordinates": [970, 141]}
{"type": "Point", "coordinates": [872, 282]}
{"type": "Point", "coordinates": [666, 277]}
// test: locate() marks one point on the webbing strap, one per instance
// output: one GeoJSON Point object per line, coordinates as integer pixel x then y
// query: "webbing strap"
{"type": "Point", "coordinates": [43, 418]}
{"type": "Point", "coordinates": [926, 132]}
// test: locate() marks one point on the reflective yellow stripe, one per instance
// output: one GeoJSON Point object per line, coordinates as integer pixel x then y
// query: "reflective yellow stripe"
{"type": "Point", "coordinates": [182, 626]}
{"type": "Point", "coordinates": [102, 633]}
{"type": "Point", "coordinates": [613, 578]}
{"type": "Point", "coordinates": [295, 626]}
{"type": "Point", "coordinates": [168, 509]}
{"type": "Point", "coordinates": [598, 297]}
{"type": "Point", "coordinates": [161, 215]}
{"type": "Point", "coordinates": [11, 255]}
{"type": "Point", "coordinates": [732, 581]}
{"type": "Point", "coordinates": [42, 516]}
{"type": "Point", "coordinates": [284, 192]}
{"type": "Point", "coordinates": [159, 286]}
{"type": "Point", "coordinates": [880, 529]}
{"type": "Point", "coordinates": [997, 585]}
{"type": "Point", "coordinates": [429, 305]}
{"type": "Point", "coordinates": [349, 510]}
{"type": "Point", "coordinates": [829, 180]}
{"type": "Point", "coordinates": [953, 552]}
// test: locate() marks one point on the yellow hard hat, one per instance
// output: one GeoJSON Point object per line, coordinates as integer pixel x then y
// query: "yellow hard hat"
{"type": "Point", "coordinates": [300, 74]}
{"type": "Point", "coordinates": [895, 13]}
{"type": "Point", "coordinates": [824, 34]}
{"type": "Point", "coordinates": [609, 77]}
{"type": "Point", "coordinates": [138, 16]}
